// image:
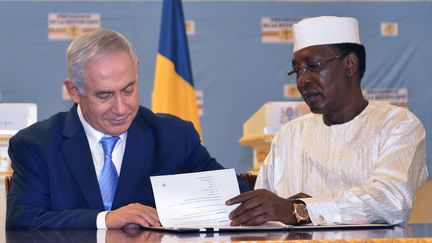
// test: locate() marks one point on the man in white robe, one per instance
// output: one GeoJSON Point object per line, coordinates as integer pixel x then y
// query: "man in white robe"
{"type": "Point", "coordinates": [349, 161]}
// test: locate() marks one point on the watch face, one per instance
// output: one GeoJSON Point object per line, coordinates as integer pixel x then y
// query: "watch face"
{"type": "Point", "coordinates": [302, 211]}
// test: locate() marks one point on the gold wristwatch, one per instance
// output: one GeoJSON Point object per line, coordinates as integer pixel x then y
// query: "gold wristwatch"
{"type": "Point", "coordinates": [300, 212]}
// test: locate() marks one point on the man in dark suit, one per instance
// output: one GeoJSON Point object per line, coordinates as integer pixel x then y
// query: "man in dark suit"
{"type": "Point", "coordinates": [64, 177]}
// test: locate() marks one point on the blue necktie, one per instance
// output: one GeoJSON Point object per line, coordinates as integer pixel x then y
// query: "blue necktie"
{"type": "Point", "coordinates": [108, 176]}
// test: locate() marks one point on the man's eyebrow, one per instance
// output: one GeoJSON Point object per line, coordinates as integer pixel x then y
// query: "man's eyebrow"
{"type": "Point", "coordinates": [103, 92]}
{"type": "Point", "coordinates": [295, 62]}
{"type": "Point", "coordinates": [306, 59]}
{"type": "Point", "coordinates": [129, 84]}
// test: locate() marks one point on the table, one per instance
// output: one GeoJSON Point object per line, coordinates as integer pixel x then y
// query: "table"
{"type": "Point", "coordinates": [410, 233]}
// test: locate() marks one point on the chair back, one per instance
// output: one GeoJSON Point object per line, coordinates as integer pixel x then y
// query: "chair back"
{"type": "Point", "coordinates": [249, 178]}
{"type": "Point", "coordinates": [8, 183]}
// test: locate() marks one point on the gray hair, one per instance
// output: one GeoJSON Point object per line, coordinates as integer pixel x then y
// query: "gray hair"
{"type": "Point", "coordinates": [95, 45]}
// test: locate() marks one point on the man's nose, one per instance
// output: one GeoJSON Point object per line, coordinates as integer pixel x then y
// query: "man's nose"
{"type": "Point", "coordinates": [119, 106]}
{"type": "Point", "coordinates": [303, 80]}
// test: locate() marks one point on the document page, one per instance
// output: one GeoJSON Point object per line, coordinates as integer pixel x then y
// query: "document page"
{"type": "Point", "coordinates": [195, 200]}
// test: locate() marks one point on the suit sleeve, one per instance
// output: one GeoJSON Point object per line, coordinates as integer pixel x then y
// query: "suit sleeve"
{"type": "Point", "coordinates": [199, 158]}
{"type": "Point", "coordinates": [28, 202]}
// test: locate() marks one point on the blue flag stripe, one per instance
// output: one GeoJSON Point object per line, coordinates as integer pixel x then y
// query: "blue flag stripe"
{"type": "Point", "coordinates": [173, 41]}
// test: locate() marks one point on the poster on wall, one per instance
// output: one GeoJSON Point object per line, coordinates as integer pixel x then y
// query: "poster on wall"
{"type": "Point", "coordinates": [389, 29]}
{"type": "Point", "coordinates": [396, 96]}
{"type": "Point", "coordinates": [277, 30]}
{"type": "Point", "coordinates": [200, 101]}
{"type": "Point", "coordinates": [190, 27]}
{"type": "Point", "coordinates": [67, 26]}
{"type": "Point", "coordinates": [291, 91]}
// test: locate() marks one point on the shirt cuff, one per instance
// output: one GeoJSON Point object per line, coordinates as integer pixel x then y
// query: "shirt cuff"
{"type": "Point", "coordinates": [100, 220]}
{"type": "Point", "coordinates": [322, 211]}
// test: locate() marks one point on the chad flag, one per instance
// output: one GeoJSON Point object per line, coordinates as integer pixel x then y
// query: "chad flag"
{"type": "Point", "coordinates": [174, 91]}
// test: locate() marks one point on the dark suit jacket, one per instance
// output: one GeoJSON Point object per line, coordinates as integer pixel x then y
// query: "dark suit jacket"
{"type": "Point", "coordinates": [54, 182]}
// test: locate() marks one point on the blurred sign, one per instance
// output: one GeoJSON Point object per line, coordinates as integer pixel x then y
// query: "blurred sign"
{"type": "Point", "coordinates": [67, 26]}
{"type": "Point", "coordinates": [16, 116]}
{"type": "Point", "coordinates": [396, 96]}
{"type": "Point", "coordinates": [277, 30]}
{"type": "Point", "coordinates": [291, 91]}
{"type": "Point", "coordinates": [389, 29]}
{"type": "Point", "coordinates": [190, 27]}
{"type": "Point", "coordinates": [199, 94]}
{"type": "Point", "coordinates": [13, 117]}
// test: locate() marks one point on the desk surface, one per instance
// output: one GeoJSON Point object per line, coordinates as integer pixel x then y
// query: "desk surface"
{"type": "Point", "coordinates": [411, 233]}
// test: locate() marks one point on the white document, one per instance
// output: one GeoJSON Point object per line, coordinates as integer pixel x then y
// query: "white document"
{"type": "Point", "coordinates": [195, 203]}
{"type": "Point", "coordinates": [195, 200]}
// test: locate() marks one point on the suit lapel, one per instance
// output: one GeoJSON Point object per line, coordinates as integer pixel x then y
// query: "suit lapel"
{"type": "Point", "coordinates": [77, 153]}
{"type": "Point", "coordinates": [137, 160]}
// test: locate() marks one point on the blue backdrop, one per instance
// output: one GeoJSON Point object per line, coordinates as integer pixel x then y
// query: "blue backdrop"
{"type": "Point", "coordinates": [237, 72]}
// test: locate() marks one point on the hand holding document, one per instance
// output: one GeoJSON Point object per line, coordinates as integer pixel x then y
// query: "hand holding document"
{"type": "Point", "coordinates": [195, 200]}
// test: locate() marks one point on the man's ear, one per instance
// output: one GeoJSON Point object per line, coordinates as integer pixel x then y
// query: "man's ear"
{"type": "Point", "coordinates": [351, 64]}
{"type": "Point", "coordinates": [72, 90]}
{"type": "Point", "coordinates": [137, 66]}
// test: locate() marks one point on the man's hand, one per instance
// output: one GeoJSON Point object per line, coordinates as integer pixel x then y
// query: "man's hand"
{"type": "Point", "coordinates": [134, 213]}
{"type": "Point", "coordinates": [260, 206]}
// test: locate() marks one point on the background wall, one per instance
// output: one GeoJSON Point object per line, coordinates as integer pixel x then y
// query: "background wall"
{"type": "Point", "coordinates": [236, 71]}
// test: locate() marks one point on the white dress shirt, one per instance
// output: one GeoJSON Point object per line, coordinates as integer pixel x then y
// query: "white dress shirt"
{"type": "Point", "coordinates": [366, 170]}
{"type": "Point", "coordinates": [93, 138]}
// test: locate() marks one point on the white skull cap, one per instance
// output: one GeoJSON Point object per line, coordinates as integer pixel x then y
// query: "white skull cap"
{"type": "Point", "coordinates": [325, 30]}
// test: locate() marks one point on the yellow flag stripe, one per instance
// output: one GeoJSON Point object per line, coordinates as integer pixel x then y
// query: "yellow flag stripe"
{"type": "Point", "coordinates": [172, 94]}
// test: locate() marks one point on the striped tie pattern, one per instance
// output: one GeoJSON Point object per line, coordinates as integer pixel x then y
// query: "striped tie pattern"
{"type": "Point", "coordinates": [108, 177]}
